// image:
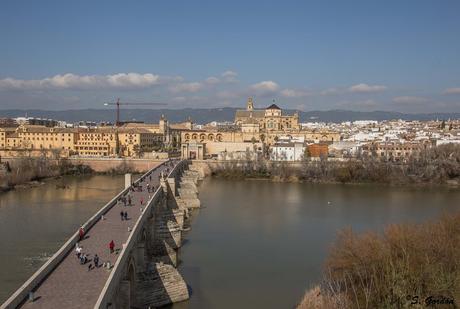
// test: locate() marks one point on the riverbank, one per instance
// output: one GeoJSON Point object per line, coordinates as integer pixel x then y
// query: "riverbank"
{"type": "Point", "coordinates": [438, 165]}
{"type": "Point", "coordinates": [452, 183]}
{"type": "Point", "coordinates": [408, 264]}
{"type": "Point", "coordinates": [27, 172]}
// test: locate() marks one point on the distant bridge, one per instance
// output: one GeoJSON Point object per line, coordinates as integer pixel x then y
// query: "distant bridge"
{"type": "Point", "coordinates": [141, 272]}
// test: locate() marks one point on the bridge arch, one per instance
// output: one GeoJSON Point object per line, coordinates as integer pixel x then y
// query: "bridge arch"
{"type": "Point", "coordinates": [131, 277]}
{"type": "Point", "coordinates": [143, 236]}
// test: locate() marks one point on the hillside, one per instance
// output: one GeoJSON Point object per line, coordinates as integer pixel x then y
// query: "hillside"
{"type": "Point", "coordinates": [203, 115]}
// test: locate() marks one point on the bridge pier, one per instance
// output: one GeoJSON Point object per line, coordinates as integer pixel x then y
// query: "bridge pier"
{"type": "Point", "coordinates": [159, 283]}
{"type": "Point", "coordinates": [188, 192]}
{"type": "Point", "coordinates": [141, 256]}
{"type": "Point", "coordinates": [128, 180]}
{"type": "Point", "coordinates": [124, 296]}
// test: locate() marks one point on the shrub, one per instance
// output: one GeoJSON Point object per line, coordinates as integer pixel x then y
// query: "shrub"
{"type": "Point", "coordinates": [407, 263]}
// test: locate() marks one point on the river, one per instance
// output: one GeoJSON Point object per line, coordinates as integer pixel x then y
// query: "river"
{"type": "Point", "coordinates": [259, 244]}
{"type": "Point", "coordinates": [254, 244]}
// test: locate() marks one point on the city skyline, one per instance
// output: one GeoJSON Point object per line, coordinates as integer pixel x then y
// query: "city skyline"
{"type": "Point", "coordinates": [229, 154]}
{"type": "Point", "coordinates": [307, 56]}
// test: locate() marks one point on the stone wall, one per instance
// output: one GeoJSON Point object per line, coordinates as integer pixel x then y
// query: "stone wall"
{"type": "Point", "coordinates": [104, 165]}
{"type": "Point", "coordinates": [107, 164]}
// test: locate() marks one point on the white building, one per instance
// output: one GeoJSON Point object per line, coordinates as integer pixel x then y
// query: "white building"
{"type": "Point", "coordinates": [291, 151]}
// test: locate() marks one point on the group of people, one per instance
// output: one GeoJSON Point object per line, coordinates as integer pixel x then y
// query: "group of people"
{"type": "Point", "coordinates": [136, 186]}
{"type": "Point", "coordinates": [126, 200]}
{"type": "Point", "coordinates": [150, 189]}
{"type": "Point", "coordinates": [124, 215]}
{"type": "Point", "coordinates": [83, 257]}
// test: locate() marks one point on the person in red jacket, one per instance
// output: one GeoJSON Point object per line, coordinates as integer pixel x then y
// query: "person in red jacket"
{"type": "Point", "coordinates": [111, 246]}
{"type": "Point", "coordinates": [81, 232]}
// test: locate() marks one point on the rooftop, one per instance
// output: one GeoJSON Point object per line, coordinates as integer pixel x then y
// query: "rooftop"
{"type": "Point", "coordinates": [273, 106]}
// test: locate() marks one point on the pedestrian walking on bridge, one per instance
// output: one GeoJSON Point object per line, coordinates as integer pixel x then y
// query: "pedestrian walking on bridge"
{"type": "Point", "coordinates": [81, 232]}
{"type": "Point", "coordinates": [111, 246]}
{"type": "Point", "coordinates": [78, 251]}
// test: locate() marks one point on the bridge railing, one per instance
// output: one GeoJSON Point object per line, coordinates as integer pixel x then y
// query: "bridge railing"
{"type": "Point", "coordinates": [116, 275]}
{"type": "Point", "coordinates": [34, 281]}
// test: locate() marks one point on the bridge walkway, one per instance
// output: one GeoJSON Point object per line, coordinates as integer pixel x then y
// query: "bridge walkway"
{"type": "Point", "coordinates": [72, 285]}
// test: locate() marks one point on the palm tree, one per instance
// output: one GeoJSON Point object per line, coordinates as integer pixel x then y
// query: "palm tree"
{"type": "Point", "coordinates": [262, 137]}
{"type": "Point", "coordinates": [137, 150]}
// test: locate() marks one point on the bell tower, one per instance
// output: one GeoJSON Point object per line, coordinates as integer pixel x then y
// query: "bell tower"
{"type": "Point", "coordinates": [250, 104]}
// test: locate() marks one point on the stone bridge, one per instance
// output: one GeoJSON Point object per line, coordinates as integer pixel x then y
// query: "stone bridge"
{"type": "Point", "coordinates": [141, 272]}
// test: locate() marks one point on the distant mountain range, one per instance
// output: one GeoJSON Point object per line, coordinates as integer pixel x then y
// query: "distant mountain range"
{"type": "Point", "coordinates": [205, 115]}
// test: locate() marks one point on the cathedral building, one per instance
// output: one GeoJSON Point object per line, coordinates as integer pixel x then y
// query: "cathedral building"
{"type": "Point", "coordinates": [255, 131]}
{"type": "Point", "coordinates": [269, 119]}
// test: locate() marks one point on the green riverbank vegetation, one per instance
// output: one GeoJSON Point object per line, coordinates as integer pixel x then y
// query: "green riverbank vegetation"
{"type": "Point", "coordinates": [435, 165]}
{"type": "Point", "coordinates": [408, 266]}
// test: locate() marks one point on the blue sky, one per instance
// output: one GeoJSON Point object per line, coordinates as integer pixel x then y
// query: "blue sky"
{"type": "Point", "coordinates": [308, 55]}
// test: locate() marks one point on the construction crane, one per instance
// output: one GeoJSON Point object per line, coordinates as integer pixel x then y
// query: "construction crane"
{"type": "Point", "coordinates": [118, 103]}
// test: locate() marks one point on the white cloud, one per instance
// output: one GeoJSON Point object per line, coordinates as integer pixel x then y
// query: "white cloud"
{"type": "Point", "coordinates": [186, 87]}
{"type": "Point", "coordinates": [409, 100]}
{"type": "Point", "coordinates": [365, 88]}
{"type": "Point", "coordinates": [229, 76]}
{"type": "Point", "coordinates": [87, 82]}
{"type": "Point", "coordinates": [452, 91]}
{"type": "Point", "coordinates": [212, 80]}
{"type": "Point", "coordinates": [293, 93]}
{"type": "Point", "coordinates": [265, 87]}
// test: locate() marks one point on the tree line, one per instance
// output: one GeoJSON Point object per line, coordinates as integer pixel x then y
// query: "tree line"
{"type": "Point", "coordinates": [435, 165]}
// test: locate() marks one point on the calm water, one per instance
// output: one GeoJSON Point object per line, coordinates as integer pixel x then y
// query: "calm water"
{"type": "Point", "coordinates": [35, 222]}
{"type": "Point", "coordinates": [258, 244]}
{"type": "Point", "coordinates": [254, 244]}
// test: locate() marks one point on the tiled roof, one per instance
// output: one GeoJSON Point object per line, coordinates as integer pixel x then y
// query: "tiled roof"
{"type": "Point", "coordinates": [273, 106]}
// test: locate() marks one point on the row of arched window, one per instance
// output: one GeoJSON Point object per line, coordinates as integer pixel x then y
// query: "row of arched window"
{"type": "Point", "coordinates": [203, 137]}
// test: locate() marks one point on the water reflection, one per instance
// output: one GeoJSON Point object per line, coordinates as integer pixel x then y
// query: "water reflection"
{"type": "Point", "coordinates": [258, 244]}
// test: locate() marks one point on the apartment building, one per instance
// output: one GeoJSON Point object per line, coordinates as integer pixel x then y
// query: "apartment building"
{"type": "Point", "coordinates": [394, 150]}
{"type": "Point", "coordinates": [100, 142]}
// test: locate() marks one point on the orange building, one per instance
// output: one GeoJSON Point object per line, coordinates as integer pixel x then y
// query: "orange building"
{"type": "Point", "coordinates": [318, 150]}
